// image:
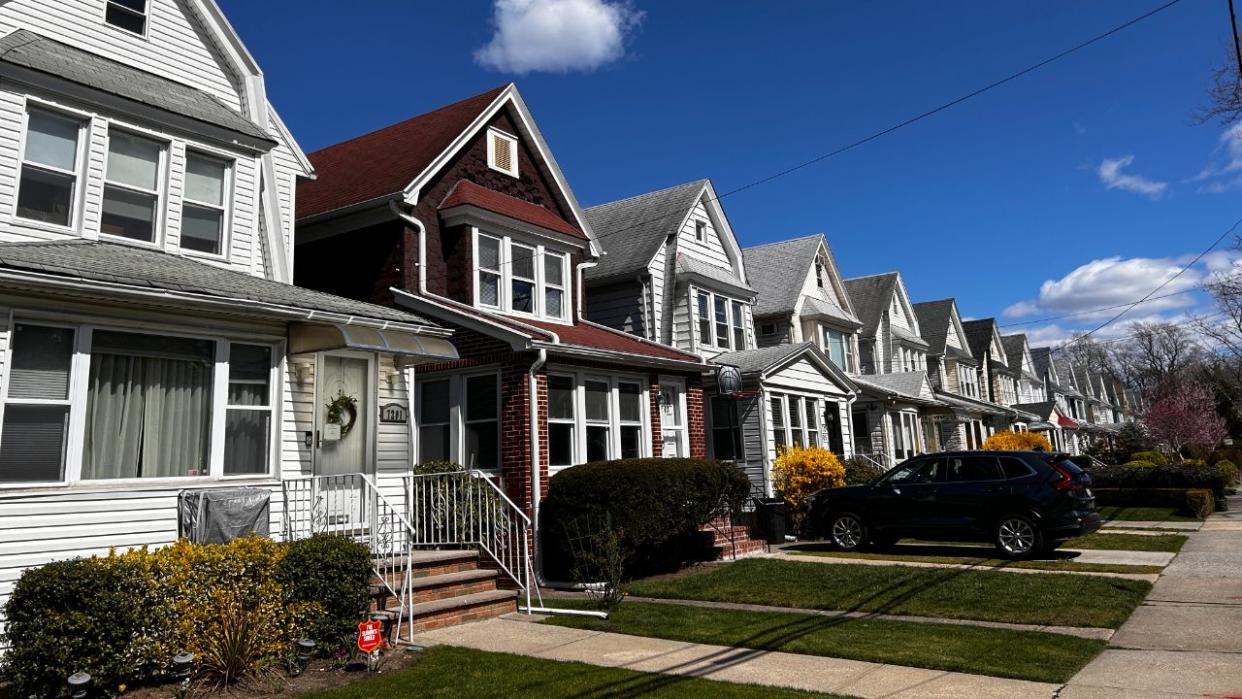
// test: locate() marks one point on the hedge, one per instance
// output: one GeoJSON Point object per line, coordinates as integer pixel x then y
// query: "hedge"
{"type": "Point", "coordinates": [1172, 476]}
{"type": "Point", "coordinates": [656, 506]}
{"type": "Point", "coordinates": [1195, 501]}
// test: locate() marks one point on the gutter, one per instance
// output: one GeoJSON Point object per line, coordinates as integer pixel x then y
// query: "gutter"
{"type": "Point", "coordinates": [535, 490]}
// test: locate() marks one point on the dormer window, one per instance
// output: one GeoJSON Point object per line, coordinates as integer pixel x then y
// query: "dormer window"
{"type": "Point", "coordinates": [700, 231]}
{"type": "Point", "coordinates": [819, 274]}
{"type": "Point", "coordinates": [502, 152]}
{"type": "Point", "coordinates": [130, 15]}
{"type": "Point", "coordinates": [520, 278]}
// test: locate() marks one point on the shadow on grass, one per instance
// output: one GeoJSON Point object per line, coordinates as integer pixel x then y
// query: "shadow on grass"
{"type": "Point", "coordinates": [939, 550]}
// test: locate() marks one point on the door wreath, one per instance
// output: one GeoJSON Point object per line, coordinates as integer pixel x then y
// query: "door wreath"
{"type": "Point", "coordinates": [343, 411]}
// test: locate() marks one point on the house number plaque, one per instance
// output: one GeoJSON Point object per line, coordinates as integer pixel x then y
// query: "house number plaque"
{"type": "Point", "coordinates": [395, 413]}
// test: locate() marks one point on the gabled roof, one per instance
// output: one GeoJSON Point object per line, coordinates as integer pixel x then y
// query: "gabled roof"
{"type": "Point", "coordinates": [384, 162]}
{"type": "Point", "coordinates": [979, 334]}
{"type": "Point", "coordinates": [815, 306]}
{"type": "Point", "coordinates": [906, 385]}
{"type": "Point", "coordinates": [766, 359]}
{"type": "Point", "coordinates": [1015, 346]}
{"type": "Point", "coordinates": [934, 319]}
{"type": "Point", "coordinates": [1043, 410]}
{"type": "Point", "coordinates": [694, 267]}
{"type": "Point", "coordinates": [870, 297]}
{"type": "Point", "coordinates": [779, 270]}
{"type": "Point", "coordinates": [152, 270]}
{"type": "Point", "coordinates": [632, 230]}
{"type": "Point", "coordinates": [467, 193]}
{"type": "Point", "coordinates": [25, 50]}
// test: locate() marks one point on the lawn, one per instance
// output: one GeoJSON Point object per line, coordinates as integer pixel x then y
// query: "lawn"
{"type": "Point", "coordinates": [955, 556]}
{"type": "Point", "coordinates": [954, 593]}
{"type": "Point", "coordinates": [1025, 655]}
{"type": "Point", "coordinates": [1170, 543]}
{"type": "Point", "coordinates": [458, 672]}
{"type": "Point", "coordinates": [1145, 514]}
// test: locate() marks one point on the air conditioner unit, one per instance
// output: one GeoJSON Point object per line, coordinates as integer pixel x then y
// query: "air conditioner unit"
{"type": "Point", "coordinates": [219, 515]}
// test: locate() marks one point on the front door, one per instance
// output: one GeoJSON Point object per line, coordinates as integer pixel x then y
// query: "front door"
{"type": "Point", "coordinates": [673, 417]}
{"type": "Point", "coordinates": [343, 425]}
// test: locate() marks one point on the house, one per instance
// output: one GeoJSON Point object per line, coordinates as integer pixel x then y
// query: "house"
{"type": "Point", "coordinates": [1062, 394]}
{"type": "Point", "coordinates": [954, 372]}
{"type": "Point", "coordinates": [463, 215]}
{"type": "Point", "coordinates": [152, 343]}
{"type": "Point", "coordinates": [672, 272]}
{"type": "Point", "coordinates": [893, 417]}
{"type": "Point", "coordinates": [998, 383]}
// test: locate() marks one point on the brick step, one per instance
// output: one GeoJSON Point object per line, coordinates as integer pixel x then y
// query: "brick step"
{"type": "Point", "coordinates": [742, 548]}
{"type": "Point", "coordinates": [428, 563]}
{"type": "Point", "coordinates": [435, 587]}
{"type": "Point", "coordinates": [459, 610]}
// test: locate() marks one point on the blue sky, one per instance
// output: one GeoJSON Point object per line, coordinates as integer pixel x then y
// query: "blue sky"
{"type": "Point", "coordinates": [1082, 185]}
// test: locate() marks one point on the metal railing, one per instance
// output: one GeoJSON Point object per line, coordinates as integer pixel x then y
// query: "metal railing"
{"type": "Point", "coordinates": [351, 505]}
{"type": "Point", "coordinates": [468, 509]}
{"type": "Point", "coordinates": [880, 468]}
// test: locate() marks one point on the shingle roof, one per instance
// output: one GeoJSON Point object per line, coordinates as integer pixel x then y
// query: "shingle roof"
{"type": "Point", "coordinates": [979, 335]}
{"type": "Point", "coordinates": [130, 265]}
{"type": "Point", "coordinates": [28, 50]}
{"type": "Point", "coordinates": [908, 337]}
{"type": "Point", "coordinates": [467, 193]}
{"type": "Point", "coordinates": [813, 305]}
{"type": "Point", "coordinates": [694, 266]}
{"type": "Point", "coordinates": [934, 319]}
{"type": "Point", "coordinates": [758, 360]}
{"type": "Point", "coordinates": [906, 384]}
{"type": "Point", "coordinates": [384, 162]}
{"type": "Point", "coordinates": [778, 272]}
{"type": "Point", "coordinates": [1014, 345]}
{"type": "Point", "coordinates": [870, 297]}
{"type": "Point", "coordinates": [1043, 409]}
{"type": "Point", "coordinates": [631, 230]}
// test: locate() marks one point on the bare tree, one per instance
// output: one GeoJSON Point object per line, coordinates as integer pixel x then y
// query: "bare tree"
{"type": "Point", "coordinates": [1225, 94]}
{"type": "Point", "coordinates": [1155, 352]}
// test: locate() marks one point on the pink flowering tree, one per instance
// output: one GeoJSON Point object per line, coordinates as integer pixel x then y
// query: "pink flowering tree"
{"type": "Point", "coordinates": [1183, 413]}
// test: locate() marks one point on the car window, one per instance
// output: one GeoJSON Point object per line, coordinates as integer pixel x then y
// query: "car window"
{"type": "Point", "coordinates": [1014, 468]}
{"type": "Point", "coordinates": [972, 468]}
{"type": "Point", "coordinates": [922, 471]}
{"type": "Point", "coordinates": [1069, 467]}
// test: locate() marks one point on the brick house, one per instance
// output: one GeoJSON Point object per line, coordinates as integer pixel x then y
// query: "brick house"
{"type": "Point", "coordinates": [462, 215]}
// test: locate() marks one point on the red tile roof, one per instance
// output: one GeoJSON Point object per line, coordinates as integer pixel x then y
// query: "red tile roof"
{"type": "Point", "coordinates": [466, 192]}
{"type": "Point", "coordinates": [384, 162]}
{"type": "Point", "coordinates": [598, 337]}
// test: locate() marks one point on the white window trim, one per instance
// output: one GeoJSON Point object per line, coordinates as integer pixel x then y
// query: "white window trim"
{"type": "Point", "coordinates": [492, 135]}
{"type": "Point", "coordinates": [419, 385]}
{"type": "Point", "coordinates": [75, 201]}
{"type": "Point", "coordinates": [146, 19]}
{"type": "Point", "coordinates": [681, 427]}
{"type": "Point", "coordinates": [700, 230]}
{"type": "Point", "coordinates": [226, 209]}
{"type": "Point", "coordinates": [505, 263]}
{"type": "Point", "coordinates": [807, 423]}
{"type": "Point", "coordinates": [80, 385]}
{"type": "Point", "coordinates": [159, 224]}
{"type": "Point", "coordinates": [273, 397]}
{"type": "Point", "coordinates": [466, 422]}
{"type": "Point", "coordinates": [614, 413]}
{"type": "Point", "coordinates": [571, 421]}
{"type": "Point", "coordinates": [732, 322]}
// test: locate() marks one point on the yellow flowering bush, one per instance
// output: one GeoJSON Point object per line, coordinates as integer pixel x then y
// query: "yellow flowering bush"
{"type": "Point", "coordinates": [800, 472]}
{"type": "Point", "coordinates": [1017, 441]}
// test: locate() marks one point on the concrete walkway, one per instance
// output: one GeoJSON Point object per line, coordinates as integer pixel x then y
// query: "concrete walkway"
{"type": "Point", "coordinates": [1186, 639]}
{"type": "Point", "coordinates": [515, 634]}
{"type": "Point", "coordinates": [1114, 524]}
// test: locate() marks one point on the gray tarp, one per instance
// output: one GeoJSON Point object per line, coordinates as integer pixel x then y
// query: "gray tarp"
{"type": "Point", "coordinates": [219, 515]}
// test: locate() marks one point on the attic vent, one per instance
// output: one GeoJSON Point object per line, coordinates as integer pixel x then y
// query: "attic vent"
{"type": "Point", "coordinates": [502, 152]}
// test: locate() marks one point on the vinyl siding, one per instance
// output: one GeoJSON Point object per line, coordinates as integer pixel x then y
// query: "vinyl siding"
{"type": "Point", "coordinates": [685, 319]}
{"type": "Point", "coordinates": [711, 250]}
{"type": "Point", "coordinates": [782, 332]}
{"type": "Point", "coordinates": [618, 306]}
{"type": "Point", "coordinates": [661, 298]}
{"type": "Point", "coordinates": [755, 441]}
{"type": "Point", "coordinates": [804, 377]}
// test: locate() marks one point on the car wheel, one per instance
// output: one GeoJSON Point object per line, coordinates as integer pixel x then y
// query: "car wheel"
{"type": "Point", "coordinates": [847, 532]}
{"type": "Point", "coordinates": [1018, 537]}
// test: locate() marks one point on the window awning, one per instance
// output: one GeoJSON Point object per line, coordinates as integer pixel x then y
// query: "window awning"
{"type": "Point", "coordinates": [321, 337]}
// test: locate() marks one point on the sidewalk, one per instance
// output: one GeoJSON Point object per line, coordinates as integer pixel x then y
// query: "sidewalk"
{"type": "Point", "coordinates": [517, 634]}
{"type": "Point", "coordinates": [1184, 641]}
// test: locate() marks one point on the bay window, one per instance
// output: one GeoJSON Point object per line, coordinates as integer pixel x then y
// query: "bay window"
{"type": "Point", "coordinates": [598, 420]}
{"type": "Point", "coordinates": [248, 420]}
{"type": "Point", "coordinates": [36, 410]}
{"type": "Point", "coordinates": [482, 422]}
{"type": "Point", "coordinates": [132, 181]}
{"type": "Point", "coordinates": [520, 278]}
{"type": "Point", "coordinates": [562, 421]}
{"type": "Point", "coordinates": [630, 418]}
{"type": "Point", "coordinates": [721, 321]}
{"type": "Point", "coordinates": [433, 421]}
{"type": "Point", "coordinates": [489, 271]}
{"type": "Point", "coordinates": [203, 210]}
{"type": "Point", "coordinates": [523, 278]}
{"type": "Point", "coordinates": [48, 185]}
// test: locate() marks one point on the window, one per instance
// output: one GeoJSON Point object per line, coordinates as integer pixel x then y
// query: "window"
{"type": "Point", "coordinates": [919, 472]}
{"type": "Point", "coordinates": [148, 406]}
{"type": "Point", "coordinates": [248, 430]}
{"type": "Point", "coordinates": [598, 420]}
{"type": "Point", "coordinates": [722, 322]}
{"type": "Point", "coordinates": [819, 274]}
{"type": "Point", "coordinates": [502, 152]}
{"type": "Point", "coordinates": [672, 420]}
{"type": "Point", "coordinates": [630, 418]}
{"type": "Point", "coordinates": [523, 278]}
{"type": "Point", "coordinates": [726, 430]}
{"type": "Point", "coordinates": [700, 230]}
{"type": "Point", "coordinates": [489, 271]}
{"type": "Point", "coordinates": [49, 176]}
{"type": "Point", "coordinates": [767, 329]}
{"type": "Point", "coordinates": [972, 468]}
{"type": "Point", "coordinates": [202, 212]}
{"type": "Point", "coordinates": [795, 421]}
{"type": "Point", "coordinates": [130, 15]}
{"type": "Point", "coordinates": [562, 421]}
{"type": "Point", "coordinates": [739, 325]}
{"type": "Point", "coordinates": [837, 345]}
{"type": "Point", "coordinates": [554, 284]}
{"type": "Point", "coordinates": [36, 409]}
{"type": "Point", "coordinates": [812, 426]}
{"type": "Point", "coordinates": [433, 421]}
{"type": "Point", "coordinates": [482, 423]}
{"type": "Point", "coordinates": [778, 424]}
{"type": "Point", "coordinates": [705, 319]}
{"type": "Point", "coordinates": [131, 195]}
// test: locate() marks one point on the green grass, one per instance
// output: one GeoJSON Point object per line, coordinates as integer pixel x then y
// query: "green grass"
{"type": "Point", "coordinates": [899, 553]}
{"type": "Point", "coordinates": [1169, 543]}
{"type": "Point", "coordinates": [954, 593]}
{"type": "Point", "coordinates": [1024, 655]}
{"type": "Point", "coordinates": [1145, 514]}
{"type": "Point", "coordinates": [461, 673]}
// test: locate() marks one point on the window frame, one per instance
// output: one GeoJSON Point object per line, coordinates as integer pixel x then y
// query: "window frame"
{"type": "Point", "coordinates": [464, 405]}
{"type": "Point", "coordinates": [6, 401]}
{"type": "Point", "coordinates": [700, 231]}
{"type": "Point", "coordinates": [732, 324]}
{"type": "Point", "coordinates": [732, 425]}
{"type": "Point", "coordinates": [419, 387]}
{"type": "Point", "coordinates": [504, 272]}
{"type": "Point", "coordinates": [145, 14]}
{"type": "Point", "coordinates": [572, 421]}
{"type": "Point", "coordinates": [225, 207]}
{"type": "Point", "coordinates": [75, 198]}
{"type": "Point", "coordinates": [493, 135]}
{"type": "Point", "coordinates": [809, 410]}
{"type": "Point", "coordinates": [159, 220]}
{"type": "Point", "coordinates": [273, 400]}
{"type": "Point", "coordinates": [622, 423]}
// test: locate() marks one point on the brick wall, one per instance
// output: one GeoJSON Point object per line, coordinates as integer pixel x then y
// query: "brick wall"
{"type": "Point", "coordinates": [694, 411]}
{"type": "Point", "coordinates": [653, 398]}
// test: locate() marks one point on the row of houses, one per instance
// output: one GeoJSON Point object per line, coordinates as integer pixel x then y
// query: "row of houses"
{"type": "Point", "coordinates": [190, 302]}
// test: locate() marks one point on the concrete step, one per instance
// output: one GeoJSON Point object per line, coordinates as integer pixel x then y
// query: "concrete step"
{"type": "Point", "coordinates": [461, 609]}
{"type": "Point", "coordinates": [429, 563]}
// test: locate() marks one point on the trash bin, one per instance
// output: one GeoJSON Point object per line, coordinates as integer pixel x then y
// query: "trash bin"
{"type": "Point", "coordinates": [770, 518]}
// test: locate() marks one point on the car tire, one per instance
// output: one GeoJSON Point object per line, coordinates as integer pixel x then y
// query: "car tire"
{"type": "Point", "coordinates": [847, 531]}
{"type": "Point", "coordinates": [1017, 536]}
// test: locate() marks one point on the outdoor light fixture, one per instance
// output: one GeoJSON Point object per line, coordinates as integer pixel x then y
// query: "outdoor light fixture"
{"type": "Point", "coordinates": [182, 663]}
{"type": "Point", "coordinates": [78, 683]}
{"type": "Point", "coordinates": [306, 648]}
{"type": "Point", "coordinates": [303, 372]}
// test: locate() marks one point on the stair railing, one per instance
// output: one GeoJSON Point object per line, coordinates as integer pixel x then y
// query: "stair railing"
{"type": "Point", "coordinates": [351, 505]}
{"type": "Point", "coordinates": [468, 509]}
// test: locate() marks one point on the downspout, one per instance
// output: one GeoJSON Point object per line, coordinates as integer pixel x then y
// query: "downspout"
{"type": "Point", "coordinates": [580, 297]}
{"type": "Point", "coordinates": [533, 387]}
{"type": "Point", "coordinates": [396, 209]}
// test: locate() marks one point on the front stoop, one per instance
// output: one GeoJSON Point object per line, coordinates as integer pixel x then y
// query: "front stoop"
{"type": "Point", "coordinates": [733, 540]}
{"type": "Point", "coordinates": [449, 588]}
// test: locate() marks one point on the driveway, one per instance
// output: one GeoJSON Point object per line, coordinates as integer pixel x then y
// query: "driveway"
{"type": "Point", "coordinates": [1186, 639]}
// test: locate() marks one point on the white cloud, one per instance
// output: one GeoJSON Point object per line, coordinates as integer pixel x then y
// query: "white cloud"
{"type": "Point", "coordinates": [557, 36]}
{"type": "Point", "coordinates": [1116, 281]}
{"type": "Point", "coordinates": [1110, 172]}
{"type": "Point", "coordinates": [1220, 174]}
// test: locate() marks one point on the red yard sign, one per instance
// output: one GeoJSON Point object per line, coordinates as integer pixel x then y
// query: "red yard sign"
{"type": "Point", "coordinates": [370, 636]}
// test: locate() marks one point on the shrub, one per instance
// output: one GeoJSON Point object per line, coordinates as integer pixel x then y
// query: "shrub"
{"type": "Point", "coordinates": [1154, 457]}
{"type": "Point", "coordinates": [329, 575]}
{"type": "Point", "coordinates": [1194, 462]}
{"type": "Point", "coordinates": [1125, 476]}
{"type": "Point", "coordinates": [430, 467]}
{"type": "Point", "coordinates": [1200, 502]}
{"type": "Point", "coordinates": [1228, 469]}
{"type": "Point", "coordinates": [800, 472]}
{"type": "Point", "coordinates": [658, 506]}
{"type": "Point", "coordinates": [859, 471]}
{"type": "Point", "coordinates": [1083, 461]}
{"type": "Point", "coordinates": [1017, 441]}
{"type": "Point", "coordinates": [1139, 464]}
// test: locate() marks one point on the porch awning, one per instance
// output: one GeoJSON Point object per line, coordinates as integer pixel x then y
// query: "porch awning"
{"type": "Point", "coordinates": [320, 337]}
{"type": "Point", "coordinates": [1040, 426]}
{"type": "Point", "coordinates": [1068, 423]}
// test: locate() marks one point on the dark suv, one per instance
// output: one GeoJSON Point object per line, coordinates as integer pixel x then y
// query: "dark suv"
{"type": "Point", "coordinates": [1024, 502]}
